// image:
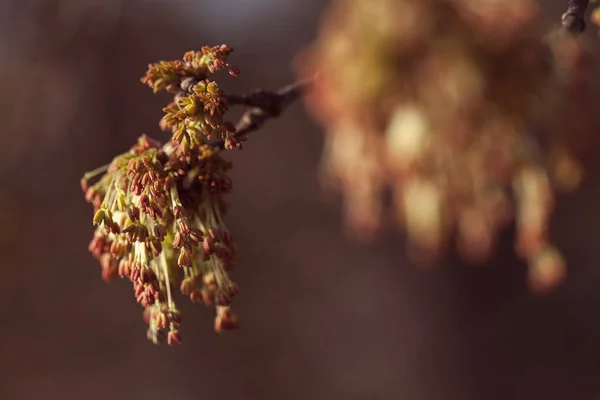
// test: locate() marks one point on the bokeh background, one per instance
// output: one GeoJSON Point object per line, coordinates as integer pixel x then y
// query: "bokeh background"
{"type": "Point", "coordinates": [322, 317]}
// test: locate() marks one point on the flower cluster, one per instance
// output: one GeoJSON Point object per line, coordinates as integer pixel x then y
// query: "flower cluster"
{"type": "Point", "coordinates": [462, 109]}
{"type": "Point", "coordinates": [159, 209]}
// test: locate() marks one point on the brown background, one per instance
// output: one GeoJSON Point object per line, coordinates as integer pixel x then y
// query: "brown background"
{"type": "Point", "coordinates": [322, 318]}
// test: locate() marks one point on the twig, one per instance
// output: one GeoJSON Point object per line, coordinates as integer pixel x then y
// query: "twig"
{"type": "Point", "coordinates": [264, 105]}
{"type": "Point", "coordinates": [574, 19]}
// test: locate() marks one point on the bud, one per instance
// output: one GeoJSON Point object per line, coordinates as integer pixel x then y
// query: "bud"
{"type": "Point", "coordinates": [187, 285]}
{"type": "Point", "coordinates": [225, 320]}
{"type": "Point", "coordinates": [161, 320]}
{"type": "Point", "coordinates": [174, 337]}
{"type": "Point", "coordinates": [175, 317]}
{"type": "Point", "coordinates": [99, 217]}
{"type": "Point", "coordinates": [124, 268]}
{"type": "Point", "coordinates": [180, 212]}
{"type": "Point", "coordinates": [184, 259]}
{"type": "Point", "coordinates": [547, 269]}
{"type": "Point", "coordinates": [134, 213]}
{"type": "Point", "coordinates": [160, 231]}
{"type": "Point", "coordinates": [184, 226]}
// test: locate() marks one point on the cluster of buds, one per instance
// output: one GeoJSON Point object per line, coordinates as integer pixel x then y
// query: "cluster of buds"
{"type": "Point", "coordinates": [197, 111]}
{"type": "Point", "coordinates": [159, 209]}
{"type": "Point", "coordinates": [463, 109]}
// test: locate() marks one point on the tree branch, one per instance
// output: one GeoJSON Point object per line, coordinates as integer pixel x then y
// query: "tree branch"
{"type": "Point", "coordinates": [264, 105]}
{"type": "Point", "coordinates": [573, 20]}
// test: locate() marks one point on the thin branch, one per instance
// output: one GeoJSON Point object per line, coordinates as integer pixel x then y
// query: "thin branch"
{"type": "Point", "coordinates": [264, 105]}
{"type": "Point", "coordinates": [573, 20]}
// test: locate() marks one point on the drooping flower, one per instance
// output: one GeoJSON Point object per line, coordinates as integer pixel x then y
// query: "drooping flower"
{"type": "Point", "coordinates": [463, 109]}
{"type": "Point", "coordinates": [159, 209]}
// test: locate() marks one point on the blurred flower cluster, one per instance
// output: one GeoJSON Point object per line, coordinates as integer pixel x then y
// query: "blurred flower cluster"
{"type": "Point", "coordinates": [159, 208]}
{"type": "Point", "coordinates": [464, 110]}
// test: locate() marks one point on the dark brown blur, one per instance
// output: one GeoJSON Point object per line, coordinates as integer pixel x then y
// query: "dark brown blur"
{"type": "Point", "coordinates": [322, 318]}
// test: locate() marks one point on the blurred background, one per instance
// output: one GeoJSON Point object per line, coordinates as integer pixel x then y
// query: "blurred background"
{"type": "Point", "coordinates": [322, 318]}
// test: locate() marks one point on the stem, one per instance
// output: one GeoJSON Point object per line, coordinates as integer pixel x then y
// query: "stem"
{"type": "Point", "coordinates": [174, 197]}
{"type": "Point", "coordinates": [97, 171]}
{"type": "Point", "coordinates": [165, 267]}
{"type": "Point", "coordinates": [265, 105]}
{"type": "Point", "coordinates": [573, 20]}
